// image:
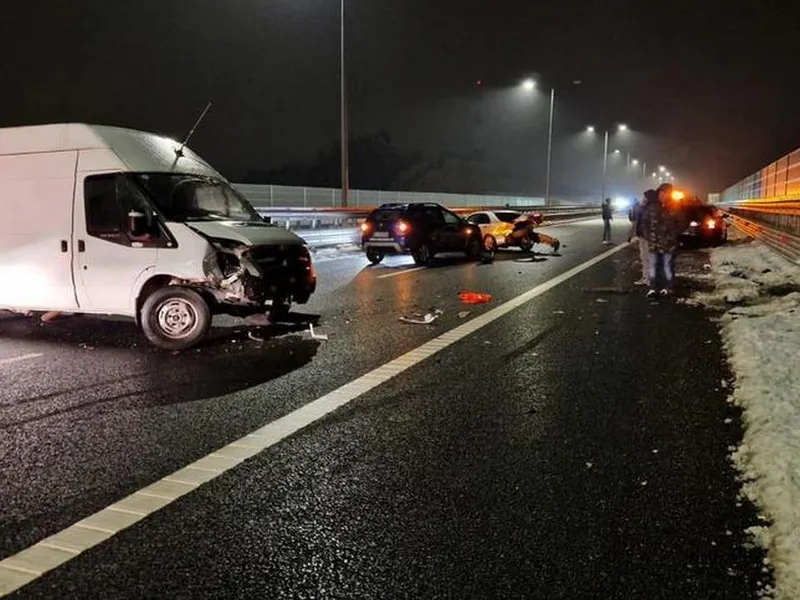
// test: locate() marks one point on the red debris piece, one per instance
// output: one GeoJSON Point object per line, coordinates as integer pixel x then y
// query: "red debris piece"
{"type": "Point", "coordinates": [475, 297]}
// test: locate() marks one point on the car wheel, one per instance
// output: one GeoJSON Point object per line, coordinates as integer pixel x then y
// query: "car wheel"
{"type": "Point", "coordinates": [526, 243]}
{"type": "Point", "coordinates": [175, 318]}
{"type": "Point", "coordinates": [279, 310]}
{"type": "Point", "coordinates": [422, 254]}
{"type": "Point", "coordinates": [490, 243]}
{"type": "Point", "coordinates": [374, 256]}
{"type": "Point", "coordinates": [474, 249]}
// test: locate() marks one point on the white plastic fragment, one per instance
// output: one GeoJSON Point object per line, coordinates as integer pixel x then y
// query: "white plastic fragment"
{"type": "Point", "coordinates": [316, 336]}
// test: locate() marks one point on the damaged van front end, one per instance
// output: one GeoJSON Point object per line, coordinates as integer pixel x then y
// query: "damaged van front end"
{"type": "Point", "coordinates": [243, 280]}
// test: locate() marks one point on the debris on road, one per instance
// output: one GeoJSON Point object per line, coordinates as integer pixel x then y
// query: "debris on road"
{"type": "Point", "coordinates": [475, 297]}
{"type": "Point", "coordinates": [420, 319]}
{"type": "Point", "coordinates": [85, 346]}
{"type": "Point", "coordinates": [254, 337]}
{"type": "Point", "coordinates": [559, 312]}
{"type": "Point", "coordinates": [601, 300]}
{"type": "Point", "coordinates": [316, 336]}
{"type": "Point", "coordinates": [463, 314]}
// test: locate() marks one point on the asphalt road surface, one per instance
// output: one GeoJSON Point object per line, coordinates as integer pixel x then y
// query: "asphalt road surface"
{"type": "Point", "coordinates": [573, 447]}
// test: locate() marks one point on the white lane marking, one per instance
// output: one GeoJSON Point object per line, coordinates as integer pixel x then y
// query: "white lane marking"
{"type": "Point", "coordinates": [400, 272]}
{"type": "Point", "coordinates": [16, 359]}
{"type": "Point", "coordinates": [25, 566]}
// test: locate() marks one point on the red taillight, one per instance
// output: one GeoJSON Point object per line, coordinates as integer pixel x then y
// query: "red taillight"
{"type": "Point", "coordinates": [403, 227]}
{"type": "Point", "coordinates": [711, 224]}
{"type": "Point", "coordinates": [365, 227]}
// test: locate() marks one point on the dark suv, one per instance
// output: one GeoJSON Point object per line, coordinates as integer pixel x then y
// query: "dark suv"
{"type": "Point", "coordinates": [421, 229]}
{"type": "Point", "coordinates": [705, 225]}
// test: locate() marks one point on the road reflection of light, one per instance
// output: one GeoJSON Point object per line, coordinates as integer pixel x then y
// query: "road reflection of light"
{"type": "Point", "coordinates": [403, 285]}
{"type": "Point", "coordinates": [470, 276]}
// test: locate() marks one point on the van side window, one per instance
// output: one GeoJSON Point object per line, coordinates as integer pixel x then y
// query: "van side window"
{"type": "Point", "coordinates": [110, 202]}
{"type": "Point", "coordinates": [103, 211]}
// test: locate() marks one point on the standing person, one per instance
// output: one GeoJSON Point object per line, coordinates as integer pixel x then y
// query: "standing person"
{"type": "Point", "coordinates": [607, 217]}
{"type": "Point", "coordinates": [660, 227]}
{"type": "Point", "coordinates": [637, 231]}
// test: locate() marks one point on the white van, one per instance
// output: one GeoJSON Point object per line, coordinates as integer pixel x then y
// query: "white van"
{"type": "Point", "coordinates": [107, 220]}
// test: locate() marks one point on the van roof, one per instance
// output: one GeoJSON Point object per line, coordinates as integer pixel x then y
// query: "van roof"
{"type": "Point", "coordinates": [139, 150]}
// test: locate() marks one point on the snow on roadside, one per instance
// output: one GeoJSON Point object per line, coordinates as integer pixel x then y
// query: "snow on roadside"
{"type": "Point", "coordinates": [760, 294]}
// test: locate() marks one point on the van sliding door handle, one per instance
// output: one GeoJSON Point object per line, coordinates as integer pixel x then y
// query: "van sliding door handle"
{"type": "Point", "coordinates": [81, 246]}
{"type": "Point", "coordinates": [64, 246]}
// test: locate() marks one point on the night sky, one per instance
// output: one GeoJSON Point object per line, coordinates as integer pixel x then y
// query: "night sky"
{"type": "Point", "coordinates": [710, 88]}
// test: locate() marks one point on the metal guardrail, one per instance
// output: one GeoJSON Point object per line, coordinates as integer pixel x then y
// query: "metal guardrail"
{"type": "Point", "coordinates": [782, 242]}
{"type": "Point", "coordinates": [313, 217]}
{"type": "Point", "coordinates": [779, 213]}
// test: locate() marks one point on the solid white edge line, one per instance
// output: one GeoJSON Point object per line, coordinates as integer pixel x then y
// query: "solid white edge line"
{"type": "Point", "coordinates": [14, 576]}
{"type": "Point", "coordinates": [16, 359]}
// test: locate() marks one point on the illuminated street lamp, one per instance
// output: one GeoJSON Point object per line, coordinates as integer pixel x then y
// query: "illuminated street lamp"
{"type": "Point", "coordinates": [662, 168]}
{"type": "Point", "coordinates": [621, 127]}
{"type": "Point", "coordinates": [635, 162]}
{"type": "Point", "coordinates": [528, 85]}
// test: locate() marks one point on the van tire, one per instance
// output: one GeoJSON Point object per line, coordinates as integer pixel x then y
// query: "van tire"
{"type": "Point", "coordinates": [175, 318]}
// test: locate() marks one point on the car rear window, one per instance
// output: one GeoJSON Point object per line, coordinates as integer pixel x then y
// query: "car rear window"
{"type": "Point", "coordinates": [507, 216]}
{"type": "Point", "coordinates": [701, 212]}
{"type": "Point", "coordinates": [388, 214]}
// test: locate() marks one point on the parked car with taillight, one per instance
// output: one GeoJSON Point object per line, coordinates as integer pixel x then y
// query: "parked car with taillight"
{"type": "Point", "coordinates": [704, 225]}
{"type": "Point", "coordinates": [419, 229]}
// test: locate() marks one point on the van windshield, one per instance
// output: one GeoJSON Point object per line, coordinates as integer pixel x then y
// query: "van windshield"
{"type": "Point", "coordinates": [184, 198]}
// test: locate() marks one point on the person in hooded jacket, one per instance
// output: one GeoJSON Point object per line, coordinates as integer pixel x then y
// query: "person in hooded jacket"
{"type": "Point", "coordinates": [661, 227]}
{"type": "Point", "coordinates": [635, 217]}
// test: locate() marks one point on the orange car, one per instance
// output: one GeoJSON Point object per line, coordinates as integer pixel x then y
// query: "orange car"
{"type": "Point", "coordinates": [509, 228]}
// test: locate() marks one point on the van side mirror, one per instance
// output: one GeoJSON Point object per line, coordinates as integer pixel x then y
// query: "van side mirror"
{"type": "Point", "coordinates": [138, 224]}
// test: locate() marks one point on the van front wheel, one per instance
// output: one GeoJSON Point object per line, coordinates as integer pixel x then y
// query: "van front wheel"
{"type": "Point", "coordinates": [175, 318]}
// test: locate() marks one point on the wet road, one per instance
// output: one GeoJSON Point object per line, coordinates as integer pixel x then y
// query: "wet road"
{"type": "Point", "coordinates": [573, 447]}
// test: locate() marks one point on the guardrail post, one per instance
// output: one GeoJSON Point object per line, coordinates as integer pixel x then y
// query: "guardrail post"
{"type": "Point", "coordinates": [271, 201]}
{"type": "Point", "coordinates": [305, 199]}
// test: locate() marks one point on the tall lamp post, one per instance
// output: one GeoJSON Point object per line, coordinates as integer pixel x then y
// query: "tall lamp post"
{"type": "Point", "coordinates": [528, 85]}
{"type": "Point", "coordinates": [590, 129]}
{"type": "Point", "coordinates": [343, 117]}
{"type": "Point", "coordinates": [549, 147]}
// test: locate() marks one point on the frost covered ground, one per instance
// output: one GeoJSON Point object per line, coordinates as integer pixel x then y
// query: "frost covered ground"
{"type": "Point", "coordinates": [759, 294]}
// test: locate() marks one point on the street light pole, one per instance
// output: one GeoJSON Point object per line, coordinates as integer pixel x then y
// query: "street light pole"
{"type": "Point", "coordinates": [343, 117]}
{"type": "Point", "coordinates": [549, 146]}
{"type": "Point", "coordinates": [605, 166]}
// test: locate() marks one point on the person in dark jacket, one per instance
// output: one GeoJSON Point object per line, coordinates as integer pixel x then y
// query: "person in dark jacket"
{"type": "Point", "coordinates": [637, 231]}
{"type": "Point", "coordinates": [607, 217]}
{"type": "Point", "coordinates": [660, 226]}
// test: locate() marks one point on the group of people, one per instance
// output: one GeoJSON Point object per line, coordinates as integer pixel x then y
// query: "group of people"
{"type": "Point", "coordinates": [656, 224]}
